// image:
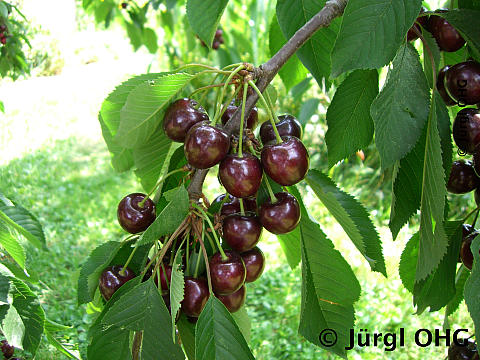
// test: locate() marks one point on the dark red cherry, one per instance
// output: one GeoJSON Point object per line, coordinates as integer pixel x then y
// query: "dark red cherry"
{"type": "Point", "coordinates": [241, 176]}
{"type": "Point", "coordinates": [227, 275]}
{"type": "Point", "coordinates": [216, 45]}
{"type": "Point", "coordinates": [3, 28]}
{"type": "Point", "coordinates": [3, 40]}
{"type": "Point", "coordinates": [163, 279]}
{"type": "Point", "coordinates": [447, 37]}
{"type": "Point", "coordinates": [254, 263]}
{"type": "Point", "coordinates": [242, 232]}
{"type": "Point", "coordinates": [252, 120]}
{"type": "Point", "coordinates": [205, 146]}
{"type": "Point", "coordinates": [462, 177]}
{"type": "Point", "coordinates": [466, 130]}
{"type": "Point", "coordinates": [180, 116]}
{"type": "Point", "coordinates": [196, 296]}
{"type": "Point", "coordinates": [286, 163]}
{"type": "Point", "coordinates": [422, 20]}
{"type": "Point", "coordinates": [234, 301]}
{"type": "Point", "coordinates": [7, 349]}
{"type": "Point", "coordinates": [132, 217]}
{"type": "Point", "coordinates": [287, 125]}
{"type": "Point", "coordinates": [462, 82]}
{"type": "Point", "coordinates": [232, 205]}
{"type": "Point", "coordinates": [466, 252]}
{"type": "Point", "coordinates": [218, 33]}
{"type": "Point", "coordinates": [282, 216]}
{"type": "Point", "coordinates": [124, 5]}
{"type": "Point", "coordinates": [441, 87]}
{"type": "Point", "coordinates": [112, 278]}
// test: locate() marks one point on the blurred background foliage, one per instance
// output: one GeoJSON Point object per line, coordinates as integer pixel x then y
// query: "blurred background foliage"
{"type": "Point", "coordinates": [53, 160]}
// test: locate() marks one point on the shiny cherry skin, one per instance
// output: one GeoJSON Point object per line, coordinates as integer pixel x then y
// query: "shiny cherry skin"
{"type": "Point", "coordinates": [112, 279]}
{"type": "Point", "coordinates": [232, 205]}
{"type": "Point", "coordinates": [287, 125]}
{"type": "Point", "coordinates": [205, 146]}
{"type": "Point", "coordinates": [254, 263]}
{"type": "Point", "coordinates": [462, 82]}
{"type": "Point", "coordinates": [441, 87]}
{"type": "Point", "coordinates": [7, 349]}
{"type": "Point", "coordinates": [180, 116]}
{"type": "Point", "coordinates": [282, 216]}
{"type": "Point", "coordinates": [422, 20]}
{"type": "Point", "coordinates": [242, 232]}
{"type": "Point", "coordinates": [196, 296]}
{"type": "Point", "coordinates": [463, 178]}
{"type": "Point", "coordinates": [234, 301]}
{"type": "Point", "coordinates": [132, 217]}
{"type": "Point", "coordinates": [466, 252]}
{"type": "Point", "coordinates": [227, 275]}
{"type": "Point", "coordinates": [241, 176]}
{"type": "Point", "coordinates": [447, 37]}
{"type": "Point", "coordinates": [466, 129]}
{"type": "Point", "coordinates": [286, 163]}
{"type": "Point", "coordinates": [252, 120]}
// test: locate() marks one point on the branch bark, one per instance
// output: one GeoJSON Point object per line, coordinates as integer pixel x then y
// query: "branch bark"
{"type": "Point", "coordinates": [267, 71]}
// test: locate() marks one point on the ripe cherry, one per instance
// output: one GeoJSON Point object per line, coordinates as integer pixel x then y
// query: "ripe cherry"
{"type": "Point", "coordinates": [205, 146]}
{"type": "Point", "coordinates": [3, 40]}
{"type": "Point", "coordinates": [7, 349]}
{"type": "Point", "coordinates": [286, 163]}
{"type": "Point", "coordinates": [133, 217]}
{"type": "Point", "coordinates": [196, 296]}
{"type": "Point", "coordinates": [466, 129]}
{"type": "Point", "coordinates": [252, 120]}
{"type": "Point", "coordinates": [3, 28]}
{"type": "Point", "coordinates": [447, 37]}
{"type": "Point", "coordinates": [281, 216]}
{"type": "Point", "coordinates": [180, 116]}
{"type": "Point", "coordinates": [234, 301]}
{"type": "Point", "coordinates": [441, 87]}
{"type": "Point", "coordinates": [422, 20]}
{"type": "Point", "coordinates": [112, 278]}
{"type": "Point", "coordinates": [242, 232]}
{"type": "Point", "coordinates": [462, 82]}
{"type": "Point", "coordinates": [232, 205]}
{"type": "Point", "coordinates": [227, 275]}
{"type": "Point", "coordinates": [254, 263]}
{"type": "Point", "coordinates": [466, 252]}
{"type": "Point", "coordinates": [463, 178]}
{"type": "Point", "coordinates": [241, 176]}
{"type": "Point", "coordinates": [287, 125]}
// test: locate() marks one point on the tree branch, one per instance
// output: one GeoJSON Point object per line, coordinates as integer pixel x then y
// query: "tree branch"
{"type": "Point", "coordinates": [267, 71]}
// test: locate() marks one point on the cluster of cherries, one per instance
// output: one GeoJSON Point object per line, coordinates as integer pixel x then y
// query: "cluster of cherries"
{"type": "Point", "coordinates": [3, 34]}
{"type": "Point", "coordinates": [240, 219]}
{"type": "Point", "coordinates": [217, 40]}
{"type": "Point", "coordinates": [8, 350]}
{"type": "Point", "coordinates": [466, 350]}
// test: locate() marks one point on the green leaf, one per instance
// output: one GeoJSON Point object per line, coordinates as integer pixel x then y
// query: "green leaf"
{"type": "Point", "coordinates": [142, 308]}
{"type": "Point", "coordinates": [12, 246]}
{"type": "Point", "coordinates": [466, 22]}
{"type": "Point", "coordinates": [371, 33]}
{"type": "Point", "coordinates": [2, 107]}
{"type": "Point", "coordinates": [143, 110]}
{"type": "Point", "coordinates": [243, 322]}
{"type": "Point", "coordinates": [460, 280]}
{"type": "Point", "coordinates": [150, 158]}
{"type": "Point", "coordinates": [25, 223]}
{"type": "Point", "coordinates": [109, 343]}
{"type": "Point", "coordinates": [469, 4]}
{"type": "Point", "coordinates": [177, 286]}
{"type": "Point", "coordinates": [350, 126]}
{"type": "Point", "coordinates": [5, 284]}
{"type": "Point", "coordinates": [204, 17]}
{"type": "Point", "coordinates": [315, 54]}
{"type": "Point", "coordinates": [60, 347]}
{"type": "Point", "coordinates": [472, 287]}
{"type": "Point", "coordinates": [218, 335]}
{"type": "Point", "coordinates": [434, 50]}
{"type": "Point", "coordinates": [291, 246]}
{"type": "Point", "coordinates": [170, 218]}
{"type": "Point", "coordinates": [187, 334]}
{"type": "Point", "coordinates": [308, 109]}
{"type": "Point", "coordinates": [439, 287]}
{"type": "Point", "coordinates": [122, 159]}
{"type": "Point", "coordinates": [13, 327]}
{"type": "Point", "coordinates": [400, 111]}
{"type": "Point", "coordinates": [329, 288]}
{"type": "Point", "coordinates": [98, 260]}
{"type": "Point", "coordinates": [352, 216]}
{"type": "Point", "coordinates": [433, 239]}
{"type": "Point", "coordinates": [293, 71]}
{"type": "Point", "coordinates": [3, 10]}
{"type": "Point", "coordinates": [150, 39]}
{"type": "Point", "coordinates": [408, 263]}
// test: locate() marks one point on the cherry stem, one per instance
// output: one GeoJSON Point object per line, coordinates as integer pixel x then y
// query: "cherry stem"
{"type": "Point", "coordinates": [195, 274]}
{"type": "Point", "coordinates": [160, 182]}
{"type": "Point", "coordinates": [205, 216]}
{"type": "Point", "coordinates": [277, 135]}
{"type": "Point", "coordinates": [160, 279]}
{"type": "Point", "coordinates": [242, 121]}
{"type": "Point", "coordinates": [231, 66]}
{"type": "Point", "coordinates": [222, 94]}
{"type": "Point", "coordinates": [273, 199]}
{"type": "Point", "coordinates": [187, 257]}
{"type": "Point", "coordinates": [122, 272]}
{"type": "Point", "coordinates": [174, 245]}
{"type": "Point", "coordinates": [270, 104]}
{"type": "Point", "coordinates": [207, 265]}
{"type": "Point", "coordinates": [209, 87]}
{"type": "Point", "coordinates": [470, 213]}
{"type": "Point", "coordinates": [211, 68]}
{"type": "Point", "coordinates": [475, 218]}
{"type": "Point", "coordinates": [212, 244]}
{"type": "Point", "coordinates": [242, 209]}
{"type": "Point", "coordinates": [224, 108]}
